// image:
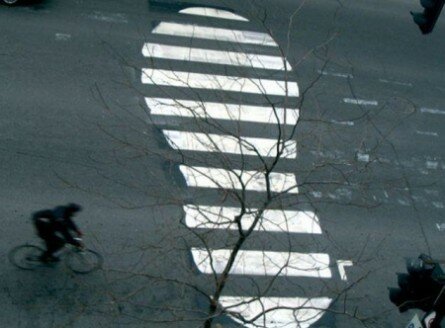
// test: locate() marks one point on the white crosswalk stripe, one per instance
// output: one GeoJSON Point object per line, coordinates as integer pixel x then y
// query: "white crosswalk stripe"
{"type": "Point", "coordinates": [208, 142]}
{"type": "Point", "coordinates": [213, 56]}
{"type": "Point", "coordinates": [216, 217]}
{"type": "Point", "coordinates": [218, 82]}
{"type": "Point", "coordinates": [206, 177]}
{"type": "Point", "coordinates": [264, 263]}
{"type": "Point", "coordinates": [212, 33]}
{"type": "Point", "coordinates": [212, 12]}
{"type": "Point", "coordinates": [221, 111]}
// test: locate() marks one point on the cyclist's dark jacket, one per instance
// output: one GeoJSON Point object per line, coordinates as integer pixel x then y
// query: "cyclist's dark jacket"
{"type": "Point", "coordinates": [49, 222]}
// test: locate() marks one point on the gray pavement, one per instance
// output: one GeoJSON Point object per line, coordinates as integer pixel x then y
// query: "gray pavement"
{"type": "Point", "coordinates": [74, 128]}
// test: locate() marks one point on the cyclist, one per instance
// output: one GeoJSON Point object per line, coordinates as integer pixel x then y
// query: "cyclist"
{"type": "Point", "coordinates": [54, 226]}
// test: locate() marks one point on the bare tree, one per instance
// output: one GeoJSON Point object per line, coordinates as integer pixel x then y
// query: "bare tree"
{"type": "Point", "coordinates": [235, 118]}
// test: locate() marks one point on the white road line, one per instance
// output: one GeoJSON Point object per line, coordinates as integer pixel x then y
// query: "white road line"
{"type": "Point", "coordinates": [406, 84]}
{"type": "Point", "coordinates": [427, 133]}
{"type": "Point", "coordinates": [432, 165]}
{"type": "Point", "coordinates": [425, 110]}
{"type": "Point", "coordinates": [263, 263]}
{"type": "Point", "coordinates": [360, 102]}
{"type": "Point", "coordinates": [108, 17]}
{"type": "Point", "coordinates": [439, 205]}
{"type": "Point", "coordinates": [342, 75]}
{"type": "Point", "coordinates": [213, 33]}
{"type": "Point", "coordinates": [440, 226]}
{"type": "Point", "coordinates": [63, 36]}
{"type": "Point", "coordinates": [205, 177]}
{"type": "Point", "coordinates": [215, 217]}
{"type": "Point", "coordinates": [220, 111]}
{"type": "Point", "coordinates": [277, 312]}
{"type": "Point", "coordinates": [219, 82]}
{"type": "Point", "coordinates": [347, 123]}
{"type": "Point", "coordinates": [214, 56]}
{"type": "Point", "coordinates": [361, 157]}
{"type": "Point", "coordinates": [207, 142]}
{"type": "Point", "coordinates": [211, 12]}
{"type": "Point", "coordinates": [316, 194]}
{"type": "Point", "coordinates": [341, 264]}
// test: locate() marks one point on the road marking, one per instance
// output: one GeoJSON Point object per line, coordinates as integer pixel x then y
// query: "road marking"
{"type": "Point", "coordinates": [205, 177]}
{"type": "Point", "coordinates": [221, 111]}
{"type": "Point", "coordinates": [213, 33]}
{"type": "Point", "coordinates": [438, 205]}
{"type": "Point", "coordinates": [316, 194]}
{"type": "Point", "coordinates": [214, 56]}
{"type": "Point", "coordinates": [425, 110]}
{"type": "Point", "coordinates": [219, 82]}
{"type": "Point", "coordinates": [277, 312]}
{"type": "Point", "coordinates": [360, 102]}
{"type": "Point", "coordinates": [343, 75]}
{"type": "Point", "coordinates": [211, 12]}
{"type": "Point", "coordinates": [108, 17]}
{"type": "Point", "coordinates": [427, 133]}
{"type": "Point", "coordinates": [307, 311]}
{"type": "Point", "coordinates": [63, 36]}
{"type": "Point", "coordinates": [403, 202]}
{"type": "Point", "coordinates": [348, 123]}
{"type": "Point", "coordinates": [440, 226]}
{"type": "Point", "coordinates": [207, 142]}
{"type": "Point", "coordinates": [264, 263]}
{"type": "Point", "coordinates": [362, 157]}
{"type": "Point", "coordinates": [406, 84]}
{"type": "Point", "coordinates": [216, 217]}
{"type": "Point", "coordinates": [432, 165]}
{"type": "Point", "coordinates": [432, 192]}
{"type": "Point", "coordinates": [341, 264]}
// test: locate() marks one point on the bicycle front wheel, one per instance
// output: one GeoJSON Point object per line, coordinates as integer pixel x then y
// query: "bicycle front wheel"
{"type": "Point", "coordinates": [26, 257]}
{"type": "Point", "coordinates": [83, 261]}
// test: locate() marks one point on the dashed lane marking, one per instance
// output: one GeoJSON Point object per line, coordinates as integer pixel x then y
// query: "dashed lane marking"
{"type": "Point", "coordinates": [108, 17]}
{"type": "Point", "coordinates": [425, 110]}
{"type": "Point", "coordinates": [406, 84]}
{"type": "Point", "coordinates": [361, 102]}
{"type": "Point", "coordinates": [63, 36]}
{"type": "Point", "coordinates": [347, 123]}
{"type": "Point", "coordinates": [427, 133]}
{"type": "Point", "coordinates": [335, 74]}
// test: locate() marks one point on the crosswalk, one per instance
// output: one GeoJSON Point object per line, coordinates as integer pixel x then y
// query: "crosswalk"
{"type": "Point", "coordinates": [262, 310]}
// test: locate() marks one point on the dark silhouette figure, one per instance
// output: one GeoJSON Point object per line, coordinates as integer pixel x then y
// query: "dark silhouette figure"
{"type": "Point", "coordinates": [54, 226]}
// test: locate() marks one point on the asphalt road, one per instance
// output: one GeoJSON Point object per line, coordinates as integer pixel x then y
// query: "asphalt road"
{"type": "Point", "coordinates": [74, 128]}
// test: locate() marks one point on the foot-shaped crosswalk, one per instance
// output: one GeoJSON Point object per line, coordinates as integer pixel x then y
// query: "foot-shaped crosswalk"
{"type": "Point", "coordinates": [261, 95]}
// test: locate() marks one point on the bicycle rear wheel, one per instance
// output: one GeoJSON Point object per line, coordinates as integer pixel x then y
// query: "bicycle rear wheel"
{"type": "Point", "coordinates": [26, 257]}
{"type": "Point", "coordinates": [83, 261]}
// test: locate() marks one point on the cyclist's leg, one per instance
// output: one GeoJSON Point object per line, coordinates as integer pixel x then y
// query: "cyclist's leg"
{"type": "Point", "coordinates": [53, 244]}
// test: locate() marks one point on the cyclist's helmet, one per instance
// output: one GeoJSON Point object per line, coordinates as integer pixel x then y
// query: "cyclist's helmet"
{"type": "Point", "coordinates": [73, 207]}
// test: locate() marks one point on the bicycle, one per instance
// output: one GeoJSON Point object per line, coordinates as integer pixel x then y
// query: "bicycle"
{"type": "Point", "coordinates": [78, 259]}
